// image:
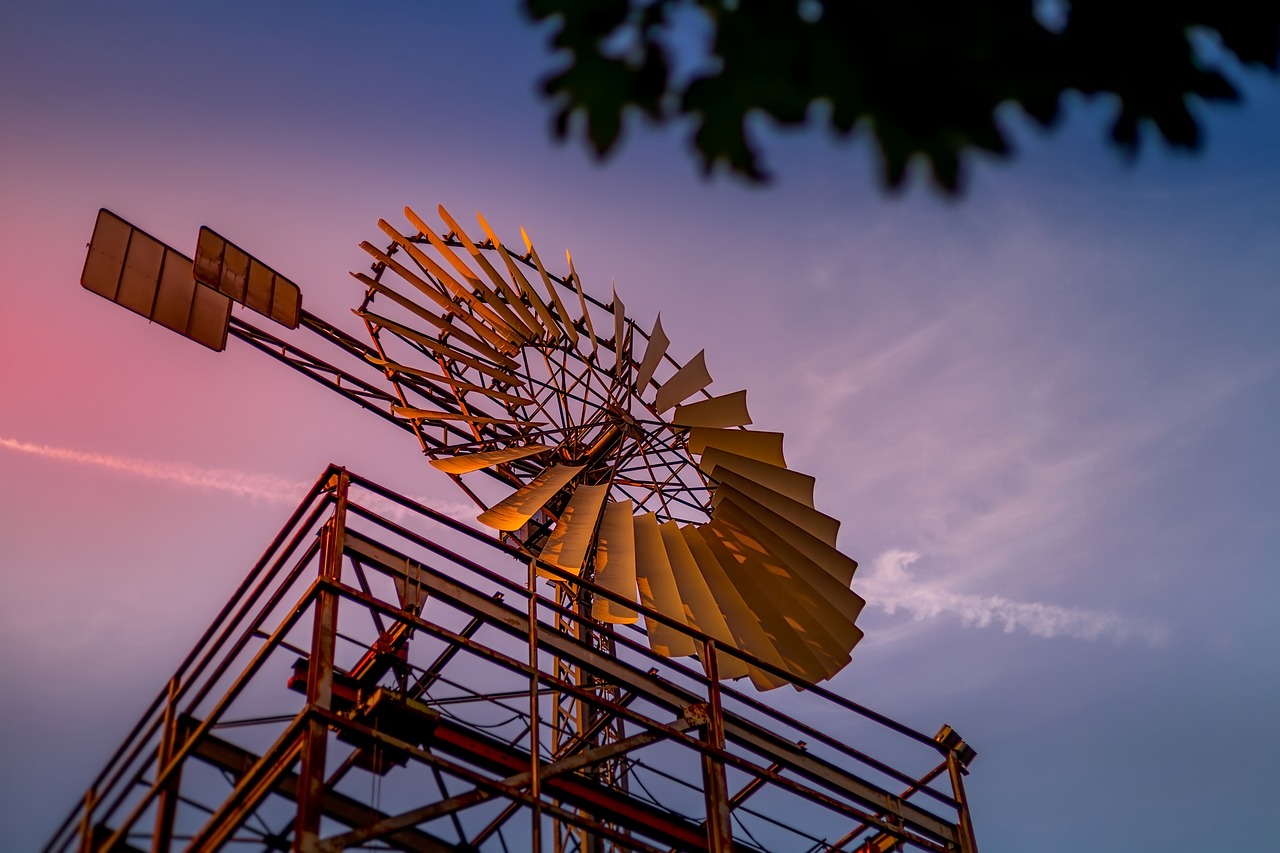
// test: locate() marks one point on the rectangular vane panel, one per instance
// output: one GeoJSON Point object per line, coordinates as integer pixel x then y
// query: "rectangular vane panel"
{"type": "Point", "coordinates": [135, 270]}
{"type": "Point", "coordinates": [231, 270]}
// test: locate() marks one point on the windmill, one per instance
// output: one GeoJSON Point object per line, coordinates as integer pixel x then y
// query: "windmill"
{"type": "Point", "coordinates": [639, 495]}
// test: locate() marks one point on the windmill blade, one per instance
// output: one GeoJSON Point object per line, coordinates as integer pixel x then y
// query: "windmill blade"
{"type": "Point", "coordinates": [770, 605]}
{"type": "Point", "coordinates": [743, 624]}
{"type": "Point", "coordinates": [832, 561]}
{"type": "Point", "coordinates": [454, 383]}
{"type": "Point", "coordinates": [412, 414]}
{"type": "Point", "coordinates": [451, 284]}
{"type": "Point", "coordinates": [784, 481]}
{"type": "Point", "coordinates": [440, 349]}
{"type": "Point", "coordinates": [582, 301]}
{"type": "Point", "coordinates": [807, 518]}
{"type": "Point", "coordinates": [616, 563]}
{"type": "Point", "coordinates": [465, 463]}
{"type": "Point", "coordinates": [728, 410]}
{"type": "Point", "coordinates": [477, 287]}
{"type": "Point", "coordinates": [515, 510]}
{"type": "Point", "coordinates": [441, 323]}
{"type": "Point", "coordinates": [571, 538]}
{"type": "Point", "coordinates": [512, 298]}
{"type": "Point", "coordinates": [815, 590]}
{"type": "Point", "coordinates": [684, 383]}
{"type": "Point", "coordinates": [619, 332]}
{"type": "Point", "coordinates": [653, 354]}
{"type": "Point", "coordinates": [761, 446]}
{"type": "Point", "coordinates": [700, 606]}
{"type": "Point", "coordinates": [565, 323]}
{"type": "Point", "coordinates": [797, 631]}
{"type": "Point", "coordinates": [551, 328]}
{"type": "Point", "coordinates": [440, 298]}
{"type": "Point", "coordinates": [658, 590]}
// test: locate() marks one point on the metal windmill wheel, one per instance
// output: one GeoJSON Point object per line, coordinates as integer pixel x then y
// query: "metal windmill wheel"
{"type": "Point", "coordinates": [622, 467]}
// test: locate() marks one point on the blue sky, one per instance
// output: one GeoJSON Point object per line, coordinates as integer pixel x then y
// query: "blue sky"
{"type": "Point", "coordinates": [1046, 414]}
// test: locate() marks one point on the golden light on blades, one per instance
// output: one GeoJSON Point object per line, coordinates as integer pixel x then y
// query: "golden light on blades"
{"type": "Point", "coordinates": [621, 466]}
{"type": "Point", "coordinates": [570, 541]}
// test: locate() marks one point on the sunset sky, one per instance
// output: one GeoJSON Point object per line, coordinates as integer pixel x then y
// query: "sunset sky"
{"type": "Point", "coordinates": [1046, 414]}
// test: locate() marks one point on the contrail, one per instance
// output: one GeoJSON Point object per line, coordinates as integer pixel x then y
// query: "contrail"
{"type": "Point", "coordinates": [259, 486]}
{"type": "Point", "coordinates": [263, 487]}
{"type": "Point", "coordinates": [890, 586]}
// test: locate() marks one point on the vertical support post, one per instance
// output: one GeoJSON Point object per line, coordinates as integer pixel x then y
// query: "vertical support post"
{"type": "Point", "coordinates": [535, 718]}
{"type": "Point", "coordinates": [311, 780]}
{"type": "Point", "coordinates": [86, 820]}
{"type": "Point", "coordinates": [715, 785]}
{"type": "Point", "coordinates": [167, 803]}
{"type": "Point", "coordinates": [968, 842]}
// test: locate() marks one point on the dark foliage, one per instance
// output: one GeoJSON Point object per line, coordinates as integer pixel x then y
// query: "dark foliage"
{"type": "Point", "coordinates": [923, 77]}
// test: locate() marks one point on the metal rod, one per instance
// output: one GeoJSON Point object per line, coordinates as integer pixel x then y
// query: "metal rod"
{"type": "Point", "coordinates": [968, 842]}
{"type": "Point", "coordinates": [535, 780]}
{"type": "Point", "coordinates": [715, 785]}
{"type": "Point", "coordinates": [311, 779]}
{"type": "Point", "coordinates": [162, 836]}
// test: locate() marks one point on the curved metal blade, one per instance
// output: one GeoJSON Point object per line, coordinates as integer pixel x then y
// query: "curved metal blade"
{"type": "Point", "coordinates": [727, 410]}
{"type": "Point", "coordinates": [807, 518]}
{"type": "Point", "coordinates": [441, 298]}
{"type": "Point", "coordinates": [815, 589]}
{"type": "Point", "coordinates": [565, 323]}
{"type": "Point", "coordinates": [570, 540]}
{"type": "Point", "coordinates": [551, 329]}
{"type": "Point", "coordinates": [747, 633]}
{"type": "Point", "coordinates": [619, 333]}
{"type": "Point", "coordinates": [761, 446]}
{"type": "Point", "coordinates": [412, 414]}
{"type": "Point", "coordinates": [784, 481]}
{"type": "Point", "coordinates": [700, 605]}
{"type": "Point", "coordinates": [512, 298]}
{"type": "Point", "coordinates": [441, 323]}
{"type": "Point", "coordinates": [658, 590]}
{"type": "Point", "coordinates": [616, 563]}
{"type": "Point", "coordinates": [684, 383]}
{"type": "Point", "coordinates": [582, 301]}
{"type": "Point", "coordinates": [454, 383]}
{"type": "Point", "coordinates": [465, 463]}
{"type": "Point", "coordinates": [441, 349]}
{"type": "Point", "coordinates": [477, 287]}
{"type": "Point", "coordinates": [515, 510]}
{"type": "Point", "coordinates": [451, 284]}
{"type": "Point", "coordinates": [797, 632]}
{"type": "Point", "coordinates": [653, 354]}
{"type": "Point", "coordinates": [823, 554]}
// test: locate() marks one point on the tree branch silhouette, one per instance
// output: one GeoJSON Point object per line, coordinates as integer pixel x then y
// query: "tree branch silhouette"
{"type": "Point", "coordinates": [924, 79]}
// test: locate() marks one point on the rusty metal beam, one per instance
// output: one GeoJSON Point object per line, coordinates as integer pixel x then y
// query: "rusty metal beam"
{"type": "Point", "coordinates": [311, 783]}
{"type": "Point", "coordinates": [238, 761]}
{"type": "Point", "coordinates": [519, 780]}
{"type": "Point", "coordinates": [492, 755]}
{"type": "Point", "coordinates": [748, 734]}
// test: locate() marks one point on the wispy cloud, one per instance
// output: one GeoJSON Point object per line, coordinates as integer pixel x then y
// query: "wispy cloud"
{"type": "Point", "coordinates": [243, 484]}
{"type": "Point", "coordinates": [891, 587]}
